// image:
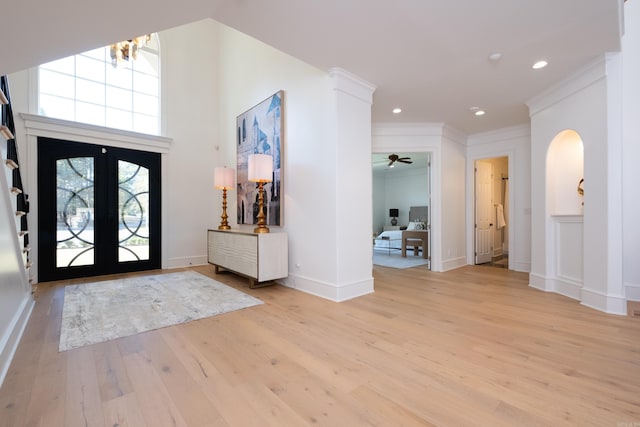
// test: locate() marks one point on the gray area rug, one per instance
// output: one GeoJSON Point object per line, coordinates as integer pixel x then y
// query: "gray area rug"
{"type": "Point", "coordinates": [394, 260]}
{"type": "Point", "coordinates": [102, 311]}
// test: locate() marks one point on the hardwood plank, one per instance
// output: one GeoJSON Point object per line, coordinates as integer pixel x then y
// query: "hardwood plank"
{"type": "Point", "coordinates": [156, 405]}
{"type": "Point", "coordinates": [83, 406]}
{"type": "Point", "coordinates": [112, 374]}
{"type": "Point", "coordinates": [47, 397]}
{"type": "Point", "coordinates": [123, 411]}
{"type": "Point", "coordinates": [183, 390]}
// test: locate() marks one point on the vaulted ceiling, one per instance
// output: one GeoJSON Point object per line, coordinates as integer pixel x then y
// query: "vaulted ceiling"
{"type": "Point", "coordinates": [428, 57]}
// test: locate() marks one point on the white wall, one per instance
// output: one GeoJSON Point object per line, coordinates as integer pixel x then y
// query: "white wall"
{"type": "Point", "coordinates": [586, 103]}
{"type": "Point", "coordinates": [379, 197]}
{"type": "Point", "coordinates": [515, 144]}
{"type": "Point", "coordinates": [191, 119]}
{"type": "Point", "coordinates": [631, 149]}
{"type": "Point", "coordinates": [327, 160]}
{"type": "Point", "coordinates": [453, 201]}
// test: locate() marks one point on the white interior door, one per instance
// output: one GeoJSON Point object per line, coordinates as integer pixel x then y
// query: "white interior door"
{"type": "Point", "coordinates": [484, 212]}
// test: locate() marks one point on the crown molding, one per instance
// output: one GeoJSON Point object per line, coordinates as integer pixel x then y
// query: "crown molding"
{"type": "Point", "coordinates": [349, 83]}
{"type": "Point", "coordinates": [407, 129]}
{"type": "Point", "coordinates": [499, 135]}
{"type": "Point", "coordinates": [591, 73]}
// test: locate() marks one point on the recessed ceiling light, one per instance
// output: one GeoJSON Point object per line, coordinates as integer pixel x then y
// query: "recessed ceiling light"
{"type": "Point", "coordinates": [495, 57]}
{"type": "Point", "coordinates": [397, 110]}
{"type": "Point", "coordinates": [477, 111]}
{"type": "Point", "coordinates": [539, 64]}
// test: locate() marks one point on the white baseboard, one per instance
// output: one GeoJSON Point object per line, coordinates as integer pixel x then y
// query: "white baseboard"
{"type": "Point", "coordinates": [613, 304]}
{"type": "Point", "coordinates": [524, 267]}
{"type": "Point", "coordinates": [567, 287]}
{"type": "Point", "coordinates": [559, 285]}
{"type": "Point", "coordinates": [10, 341]}
{"type": "Point", "coordinates": [608, 303]}
{"type": "Point", "coordinates": [539, 282]}
{"type": "Point", "coordinates": [453, 263]}
{"type": "Point", "coordinates": [327, 290]}
{"type": "Point", "coordinates": [190, 261]}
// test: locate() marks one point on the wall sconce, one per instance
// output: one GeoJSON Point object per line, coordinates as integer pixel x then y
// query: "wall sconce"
{"type": "Point", "coordinates": [225, 179]}
{"type": "Point", "coordinates": [260, 170]}
{"type": "Point", "coordinates": [393, 213]}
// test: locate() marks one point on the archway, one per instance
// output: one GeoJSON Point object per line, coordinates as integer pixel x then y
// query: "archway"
{"type": "Point", "coordinates": [565, 170]}
{"type": "Point", "coordinates": [565, 246]}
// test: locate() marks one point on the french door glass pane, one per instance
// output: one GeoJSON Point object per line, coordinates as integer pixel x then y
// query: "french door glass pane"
{"type": "Point", "coordinates": [133, 212]}
{"type": "Point", "coordinates": [74, 209]}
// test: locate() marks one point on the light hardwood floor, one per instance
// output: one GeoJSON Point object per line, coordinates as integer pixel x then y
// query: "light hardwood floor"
{"type": "Point", "coordinates": [474, 346]}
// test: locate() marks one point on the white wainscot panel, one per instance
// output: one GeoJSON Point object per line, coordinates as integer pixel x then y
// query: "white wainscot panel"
{"type": "Point", "coordinates": [569, 253]}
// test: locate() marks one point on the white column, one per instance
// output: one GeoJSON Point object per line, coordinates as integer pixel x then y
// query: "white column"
{"type": "Point", "coordinates": [353, 98]}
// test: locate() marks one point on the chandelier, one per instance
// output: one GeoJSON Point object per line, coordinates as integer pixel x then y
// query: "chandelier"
{"type": "Point", "coordinates": [124, 50]}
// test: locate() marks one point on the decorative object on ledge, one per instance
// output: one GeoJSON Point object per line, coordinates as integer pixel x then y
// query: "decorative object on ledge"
{"type": "Point", "coordinates": [260, 130]}
{"type": "Point", "coordinates": [126, 49]}
{"type": "Point", "coordinates": [224, 179]}
{"type": "Point", "coordinates": [581, 189]}
{"type": "Point", "coordinates": [393, 213]}
{"type": "Point", "coordinates": [260, 170]}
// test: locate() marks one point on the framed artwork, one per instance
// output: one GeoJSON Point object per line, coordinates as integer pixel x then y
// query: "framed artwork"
{"type": "Point", "coordinates": [259, 131]}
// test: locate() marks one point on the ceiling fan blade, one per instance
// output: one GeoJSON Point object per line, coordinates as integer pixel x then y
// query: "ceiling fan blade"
{"type": "Point", "coordinates": [405, 161]}
{"type": "Point", "coordinates": [391, 162]}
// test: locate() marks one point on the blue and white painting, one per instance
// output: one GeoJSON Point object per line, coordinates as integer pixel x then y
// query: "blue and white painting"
{"type": "Point", "coordinates": [260, 132]}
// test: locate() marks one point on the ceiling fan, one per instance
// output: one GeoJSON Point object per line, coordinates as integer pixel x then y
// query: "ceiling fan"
{"type": "Point", "coordinates": [395, 158]}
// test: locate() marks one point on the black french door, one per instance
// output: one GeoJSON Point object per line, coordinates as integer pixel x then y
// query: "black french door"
{"type": "Point", "coordinates": [98, 210]}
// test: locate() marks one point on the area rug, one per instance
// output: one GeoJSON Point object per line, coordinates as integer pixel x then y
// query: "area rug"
{"type": "Point", "coordinates": [394, 260]}
{"type": "Point", "coordinates": [102, 311]}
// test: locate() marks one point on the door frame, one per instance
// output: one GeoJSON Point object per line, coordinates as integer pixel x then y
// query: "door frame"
{"type": "Point", "coordinates": [512, 219]}
{"type": "Point", "coordinates": [36, 126]}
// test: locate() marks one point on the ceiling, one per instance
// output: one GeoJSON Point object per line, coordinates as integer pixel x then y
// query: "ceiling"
{"type": "Point", "coordinates": [428, 57]}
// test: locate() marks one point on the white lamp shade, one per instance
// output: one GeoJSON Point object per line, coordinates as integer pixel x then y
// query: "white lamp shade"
{"type": "Point", "coordinates": [224, 178]}
{"type": "Point", "coordinates": [260, 168]}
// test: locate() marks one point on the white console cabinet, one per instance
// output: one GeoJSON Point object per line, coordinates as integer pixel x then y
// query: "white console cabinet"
{"type": "Point", "coordinates": [262, 257]}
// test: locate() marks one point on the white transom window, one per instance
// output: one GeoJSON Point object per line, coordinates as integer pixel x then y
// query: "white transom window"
{"type": "Point", "coordinates": [87, 88]}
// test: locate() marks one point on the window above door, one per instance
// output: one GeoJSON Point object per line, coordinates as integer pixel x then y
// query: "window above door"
{"type": "Point", "coordinates": [87, 88]}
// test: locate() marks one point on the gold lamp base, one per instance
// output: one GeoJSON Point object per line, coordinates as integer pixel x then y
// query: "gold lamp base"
{"type": "Point", "coordinates": [262, 227]}
{"type": "Point", "coordinates": [224, 224]}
